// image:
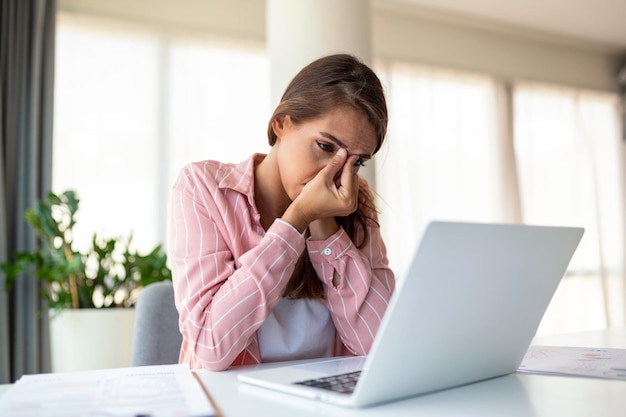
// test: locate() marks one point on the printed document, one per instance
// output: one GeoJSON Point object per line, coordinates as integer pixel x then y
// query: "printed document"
{"type": "Point", "coordinates": [146, 391]}
{"type": "Point", "coordinates": [592, 362]}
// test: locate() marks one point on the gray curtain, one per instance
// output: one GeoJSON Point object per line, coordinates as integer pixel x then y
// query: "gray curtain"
{"type": "Point", "coordinates": [27, 37]}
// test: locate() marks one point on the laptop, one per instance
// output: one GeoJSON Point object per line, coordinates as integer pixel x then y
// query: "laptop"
{"type": "Point", "coordinates": [466, 311]}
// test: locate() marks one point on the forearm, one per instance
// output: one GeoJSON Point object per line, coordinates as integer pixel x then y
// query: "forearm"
{"type": "Point", "coordinates": [358, 285]}
{"type": "Point", "coordinates": [222, 303]}
{"type": "Point", "coordinates": [358, 308]}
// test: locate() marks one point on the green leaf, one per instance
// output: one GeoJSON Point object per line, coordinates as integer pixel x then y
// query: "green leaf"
{"type": "Point", "coordinates": [109, 268]}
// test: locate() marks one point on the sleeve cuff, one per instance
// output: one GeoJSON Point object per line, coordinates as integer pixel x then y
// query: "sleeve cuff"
{"type": "Point", "coordinates": [325, 251]}
{"type": "Point", "coordinates": [288, 234]}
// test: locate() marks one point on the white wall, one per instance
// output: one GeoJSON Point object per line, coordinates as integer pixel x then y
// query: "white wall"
{"type": "Point", "coordinates": [408, 34]}
{"type": "Point", "coordinates": [398, 32]}
{"type": "Point", "coordinates": [239, 18]}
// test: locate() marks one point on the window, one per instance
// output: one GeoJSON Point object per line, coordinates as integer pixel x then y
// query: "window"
{"type": "Point", "coordinates": [451, 155]}
{"type": "Point", "coordinates": [570, 165]}
{"type": "Point", "coordinates": [441, 158]}
{"type": "Point", "coordinates": [135, 104]}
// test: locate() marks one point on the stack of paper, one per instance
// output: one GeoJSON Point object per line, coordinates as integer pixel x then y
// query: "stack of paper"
{"type": "Point", "coordinates": [154, 391]}
{"type": "Point", "coordinates": [576, 361]}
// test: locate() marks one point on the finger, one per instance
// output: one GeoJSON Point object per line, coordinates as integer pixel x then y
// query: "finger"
{"type": "Point", "coordinates": [334, 167]}
{"type": "Point", "coordinates": [348, 165]}
{"type": "Point", "coordinates": [348, 177]}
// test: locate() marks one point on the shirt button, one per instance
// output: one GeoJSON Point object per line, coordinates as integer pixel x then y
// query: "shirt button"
{"type": "Point", "coordinates": [327, 251]}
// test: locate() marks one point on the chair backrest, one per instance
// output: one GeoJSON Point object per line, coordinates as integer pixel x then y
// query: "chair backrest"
{"type": "Point", "coordinates": [156, 338]}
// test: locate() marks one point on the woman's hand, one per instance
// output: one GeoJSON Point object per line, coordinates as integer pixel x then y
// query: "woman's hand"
{"type": "Point", "coordinates": [333, 192]}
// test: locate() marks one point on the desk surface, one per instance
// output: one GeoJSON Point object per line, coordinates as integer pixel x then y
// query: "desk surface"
{"type": "Point", "coordinates": [514, 395]}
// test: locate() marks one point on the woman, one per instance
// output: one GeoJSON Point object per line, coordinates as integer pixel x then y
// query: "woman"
{"type": "Point", "coordinates": [280, 257]}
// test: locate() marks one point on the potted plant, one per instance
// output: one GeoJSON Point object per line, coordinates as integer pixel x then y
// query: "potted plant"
{"type": "Point", "coordinates": [85, 287]}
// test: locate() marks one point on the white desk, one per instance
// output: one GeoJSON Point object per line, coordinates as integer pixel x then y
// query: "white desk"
{"type": "Point", "coordinates": [514, 395]}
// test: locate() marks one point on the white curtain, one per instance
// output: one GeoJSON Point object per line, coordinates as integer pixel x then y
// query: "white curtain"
{"type": "Point", "coordinates": [571, 169]}
{"type": "Point", "coordinates": [468, 147]}
{"type": "Point", "coordinates": [443, 156]}
{"type": "Point", "coordinates": [135, 103]}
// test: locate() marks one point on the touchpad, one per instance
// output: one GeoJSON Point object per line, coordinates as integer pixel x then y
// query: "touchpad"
{"type": "Point", "coordinates": [336, 366]}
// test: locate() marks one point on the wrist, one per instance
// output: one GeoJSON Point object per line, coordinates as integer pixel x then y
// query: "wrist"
{"type": "Point", "coordinates": [322, 229]}
{"type": "Point", "coordinates": [296, 218]}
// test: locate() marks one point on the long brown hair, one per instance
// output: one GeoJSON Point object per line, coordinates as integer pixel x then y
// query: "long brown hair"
{"type": "Point", "coordinates": [323, 85]}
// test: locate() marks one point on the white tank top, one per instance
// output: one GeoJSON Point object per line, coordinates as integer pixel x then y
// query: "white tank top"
{"type": "Point", "coordinates": [297, 329]}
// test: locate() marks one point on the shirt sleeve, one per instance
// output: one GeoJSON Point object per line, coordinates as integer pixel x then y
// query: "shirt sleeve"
{"type": "Point", "coordinates": [359, 300]}
{"type": "Point", "coordinates": [222, 302]}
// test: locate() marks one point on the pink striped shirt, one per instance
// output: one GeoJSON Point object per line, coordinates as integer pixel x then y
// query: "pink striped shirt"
{"type": "Point", "coordinates": [229, 273]}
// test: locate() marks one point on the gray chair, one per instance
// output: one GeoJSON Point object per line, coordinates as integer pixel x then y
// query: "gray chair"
{"type": "Point", "coordinates": [156, 338]}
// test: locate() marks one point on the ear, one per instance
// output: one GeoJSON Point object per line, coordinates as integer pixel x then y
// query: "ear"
{"type": "Point", "coordinates": [280, 124]}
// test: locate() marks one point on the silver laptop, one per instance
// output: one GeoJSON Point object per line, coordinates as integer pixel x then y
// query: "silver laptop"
{"type": "Point", "coordinates": [466, 311]}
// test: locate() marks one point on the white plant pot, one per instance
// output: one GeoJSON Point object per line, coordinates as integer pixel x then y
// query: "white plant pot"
{"type": "Point", "coordinates": [91, 338]}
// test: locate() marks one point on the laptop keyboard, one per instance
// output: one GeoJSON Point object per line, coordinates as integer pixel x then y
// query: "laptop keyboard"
{"type": "Point", "coordinates": [343, 383]}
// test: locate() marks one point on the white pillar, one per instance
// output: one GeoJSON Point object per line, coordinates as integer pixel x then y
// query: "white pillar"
{"type": "Point", "coordinates": [300, 31]}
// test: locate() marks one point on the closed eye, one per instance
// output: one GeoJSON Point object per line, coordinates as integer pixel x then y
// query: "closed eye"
{"type": "Point", "coordinates": [326, 147]}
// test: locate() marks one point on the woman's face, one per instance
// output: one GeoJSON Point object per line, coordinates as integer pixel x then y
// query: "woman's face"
{"type": "Point", "coordinates": [304, 149]}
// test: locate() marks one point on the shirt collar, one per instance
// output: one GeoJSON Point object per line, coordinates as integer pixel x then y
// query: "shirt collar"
{"type": "Point", "coordinates": [240, 177]}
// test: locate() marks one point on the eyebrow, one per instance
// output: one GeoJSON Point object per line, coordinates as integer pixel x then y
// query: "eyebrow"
{"type": "Point", "coordinates": [343, 145]}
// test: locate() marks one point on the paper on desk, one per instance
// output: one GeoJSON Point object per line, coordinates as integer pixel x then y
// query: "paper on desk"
{"type": "Point", "coordinates": [575, 361]}
{"type": "Point", "coordinates": [143, 391]}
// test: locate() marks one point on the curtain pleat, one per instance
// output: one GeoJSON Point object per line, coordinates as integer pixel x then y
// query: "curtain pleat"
{"type": "Point", "coordinates": [4, 310]}
{"type": "Point", "coordinates": [466, 148]}
{"type": "Point", "coordinates": [27, 34]}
